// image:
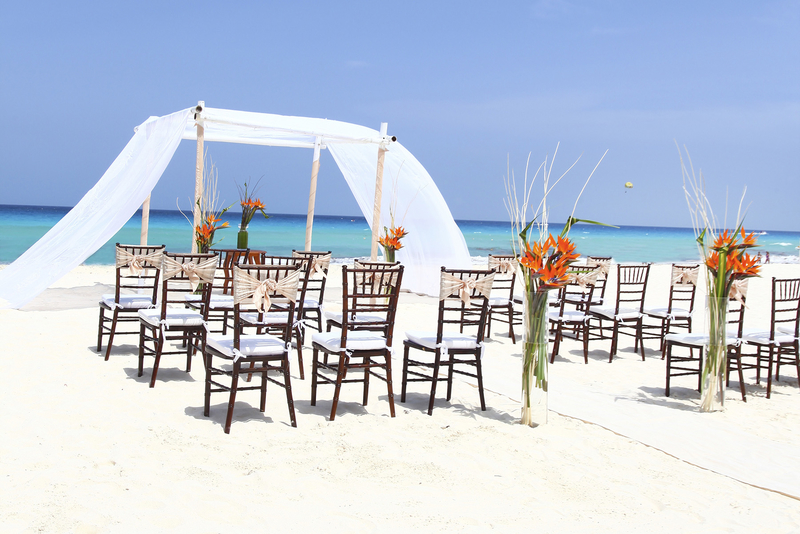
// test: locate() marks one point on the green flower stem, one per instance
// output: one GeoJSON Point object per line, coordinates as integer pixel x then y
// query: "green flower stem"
{"type": "Point", "coordinates": [534, 357]}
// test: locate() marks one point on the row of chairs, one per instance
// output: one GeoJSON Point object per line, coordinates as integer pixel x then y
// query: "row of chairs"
{"type": "Point", "coordinates": [262, 305]}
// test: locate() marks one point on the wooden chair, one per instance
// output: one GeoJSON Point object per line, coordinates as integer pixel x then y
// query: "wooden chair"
{"type": "Point", "coordinates": [360, 345]}
{"type": "Point", "coordinates": [680, 365]}
{"type": "Point", "coordinates": [181, 274]}
{"type": "Point", "coordinates": [274, 321]}
{"type": "Point", "coordinates": [501, 305]}
{"type": "Point", "coordinates": [603, 265]}
{"type": "Point", "coordinates": [136, 288]}
{"type": "Point", "coordinates": [333, 318]}
{"type": "Point", "coordinates": [678, 313]}
{"type": "Point", "coordinates": [258, 288]}
{"type": "Point", "coordinates": [628, 310]}
{"type": "Point", "coordinates": [460, 291]}
{"type": "Point", "coordinates": [221, 303]}
{"type": "Point", "coordinates": [579, 287]}
{"type": "Point", "coordinates": [315, 290]}
{"type": "Point", "coordinates": [778, 345]}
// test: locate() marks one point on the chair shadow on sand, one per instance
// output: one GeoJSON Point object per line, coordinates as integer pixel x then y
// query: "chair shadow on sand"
{"type": "Point", "coordinates": [243, 411]}
{"type": "Point", "coordinates": [165, 374]}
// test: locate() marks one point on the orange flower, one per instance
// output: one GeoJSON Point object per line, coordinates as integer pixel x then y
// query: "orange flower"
{"type": "Point", "coordinates": [725, 240]}
{"type": "Point", "coordinates": [748, 240]}
{"type": "Point", "coordinates": [712, 261]}
{"type": "Point", "coordinates": [398, 232]}
{"type": "Point", "coordinates": [746, 266]}
{"type": "Point", "coordinates": [553, 275]}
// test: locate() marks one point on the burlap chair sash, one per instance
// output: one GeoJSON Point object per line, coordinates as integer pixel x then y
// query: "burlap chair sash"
{"type": "Point", "coordinates": [603, 266]}
{"type": "Point", "coordinates": [502, 265]}
{"type": "Point", "coordinates": [684, 275]}
{"type": "Point", "coordinates": [319, 264]}
{"type": "Point", "coordinates": [738, 291]}
{"type": "Point", "coordinates": [136, 263]}
{"type": "Point", "coordinates": [376, 277]}
{"type": "Point", "coordinates": [195, 272]}
{"type": "Point", "coordinates": [583, 279]}
{"type": "Point", "coordinates": [246, 286]}
{"type": "Point", "coordinates": [451, 285]}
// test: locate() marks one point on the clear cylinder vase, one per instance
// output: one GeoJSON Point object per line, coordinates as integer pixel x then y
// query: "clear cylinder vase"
{"type": "Point", "coordinates": [716, 357]}
{"type": "Point", "coordinates": [534, 359]}
{"type": "Point", "coordinates": [388, 254]}
{"type": "Point", "coordinates": [241, 239]}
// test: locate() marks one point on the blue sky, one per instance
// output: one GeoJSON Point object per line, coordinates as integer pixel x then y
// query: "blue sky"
{"type": "Point", "coordinates": [467, 87]}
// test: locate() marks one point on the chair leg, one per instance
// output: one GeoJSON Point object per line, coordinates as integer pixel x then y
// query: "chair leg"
{"type": "Point", "coordinates": [299, 336]}
{"type": "Point", "coordinates": [556, 342]}
{"type": "Point", "coordinates": [314, 359]}
{"type": "Point", "coordinates": [207, 403]}
{"type": "Point", "coordinates": [640, 336]}
{"type": "Point", "coordinates": [368, 363]}
{"type": "Point", "coordinates": [479, 373]}
{"type": "Point", "coordinates": [741, 375]}
{"type": "Point", "coordinates": [111, 334]}
{"type": "Point", "coordinates": [263, 404]}
{"type": "Point", "coordinates": [232, 398]}
{"type": "Point", "coordinates": [159, 349]}
{"type": "Point", "coordinates": [100, 330]}
{"type": "Point", "coordinates": [613, 350]}
{"type": "Point", "coordinates": [450, 368]}
{"type": "Point", "coordinates": [389, 386]}
{"type": "Point", "coordinates": [287, 378]}
{"type": "Point", "coordinates": [141, 349]}
{"type": "Point", "coordinates": [436, 362]}
{"type": "Point", "coordinates": [511, 323]}
{"type": "Point", "coordinates": [404, 381]}
{"type": "Point", "coordinates": [668, 354]}
{"type": "Point", "coordinates": [343, 360]}
{"type": "Point", "coordinates": [585, 329]}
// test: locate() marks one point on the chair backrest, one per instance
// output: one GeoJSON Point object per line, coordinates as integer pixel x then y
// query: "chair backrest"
{"type": "Point", "coordinates": [371, 291]}
{"type": "Point", "coordinates": [785, 306]}
{"type": "Point", "coordinates": [736, 308]}
{"type": "Point", "coordinates": [304, 265]}
{"type": "Point", "coordinates": [631, 286]}
{"type": "Point", "coordinates": [184, 274]}
{"type": "Point", "coordinates": [320, 262]}
{"type": "Point", "coordinates": [260, 288]}
{"type": "Point", "coordinates": [228, 257]}
{"type": "Point", "coordinates": [137, 269]}
{"type": "Point", "coordinates": [581, 282]}
{"type": "Point", "coordinates": [505, 267]}
{"type": "Point", "coordinates": [603, 263]}
{"type": "Point", "coordinates": [683, 287]}
{"type": "Point", "coordinates": [459, 291]}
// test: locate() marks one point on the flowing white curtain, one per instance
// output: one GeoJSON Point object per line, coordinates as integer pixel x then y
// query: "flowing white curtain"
{"type": "Point", "coordinates": [99, 214]}
{"type": "Point", "coordinates": [433, 240]}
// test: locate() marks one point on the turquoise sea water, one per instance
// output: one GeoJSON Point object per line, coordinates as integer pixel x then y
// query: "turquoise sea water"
{"type": "Point", "coordinates": [348, 237]}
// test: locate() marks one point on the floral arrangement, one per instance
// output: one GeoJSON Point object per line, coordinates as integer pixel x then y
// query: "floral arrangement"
{"type": "Point", "coordinates": [249, 206]}
{"type": "Point", "coordinates": [391, 241]}
{"type": "Point", "coordinates": [543, 262]}
{"type": "Point", "coordinates": [209, 210]}
{"type": "Point", "coordinates": [727, 262]}
{"type": "Point", "coordinates": [204, 233]}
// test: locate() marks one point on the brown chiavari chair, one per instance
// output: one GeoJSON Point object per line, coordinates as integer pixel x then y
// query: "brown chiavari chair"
{"type": "Point", "coordinates": [501, 305]}
{"type": "Point", "coordinates": [259, 289]}
{"type": "Point", "coordinates": [460, 291]}
{"type": "Point", "coordinates": [315, 290]}
{"type": "Point", "coordinates": [678, 313]}
{"type": "Point", "coordinates": [136, 288]}
{"type": "Point", "coordinates": [580, 285]}
{"type": "Point", "coordinates": [181, 274]}
{"type": "Point", "coordinates": [361, 345]}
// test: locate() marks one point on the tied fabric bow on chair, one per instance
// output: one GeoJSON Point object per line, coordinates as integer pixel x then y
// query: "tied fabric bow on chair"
{"type": "Point", "coordinates": [319, 264]}
{"type": "Point", "coordinates": [738, 291]}
{"type": "Point", "coordinates": [685, 276]}
{"type": "Point", "coordinates": [583, 279]}
{"type": "Point", "coordinates": [452, 284]}
{"type": "Point", "coordinates": [502, 265]}
{"type": "Point", "coordinates": [246, 286]}
{"type": "Point", "coordinates": [196, 273]}
{"type": "Point", "coordinates": [136, 263]}
{"type": "Point", "coordinates": [603, 266]}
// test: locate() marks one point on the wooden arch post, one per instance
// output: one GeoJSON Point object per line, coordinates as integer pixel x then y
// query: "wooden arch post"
{"type": "Point", "coordinates": [198, 175]}
{"type": "Point", "coordinates": [312, 194]}
{"type": "Point", "coordinates": [376, 212]}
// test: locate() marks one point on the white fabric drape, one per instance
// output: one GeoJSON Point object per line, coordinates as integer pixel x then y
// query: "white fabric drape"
{"type": "Point", "coordinates": [433, 240]}
{"type": "Point", "coordinates": [99, 214]}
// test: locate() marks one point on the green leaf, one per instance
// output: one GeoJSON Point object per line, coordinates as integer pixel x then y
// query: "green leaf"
{"type": "Point", "coordinates": [524, 233]}
{"type": "Point", "coordinates": [573, 220]}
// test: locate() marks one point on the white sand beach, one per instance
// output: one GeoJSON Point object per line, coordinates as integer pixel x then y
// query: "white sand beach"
{"type": "Point", "coordinates": [88, 447]}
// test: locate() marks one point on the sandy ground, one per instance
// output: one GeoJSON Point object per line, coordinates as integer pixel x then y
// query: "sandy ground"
{"type": "Point", "coordinates": [88, 447]}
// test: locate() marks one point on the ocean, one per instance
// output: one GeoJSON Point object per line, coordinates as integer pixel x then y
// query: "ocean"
{"type": "Point", "coordinates": [349, 237]}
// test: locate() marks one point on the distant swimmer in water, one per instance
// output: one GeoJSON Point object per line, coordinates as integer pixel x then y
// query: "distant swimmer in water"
{"type": "Point", "coordinates": [766, 253]}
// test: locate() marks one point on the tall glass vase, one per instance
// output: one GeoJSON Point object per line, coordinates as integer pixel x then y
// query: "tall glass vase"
{"type": "Point", "coordinates": [388, 254]}
{"type": "Point", "coordinates": [241, 238]}
{"type": "Point", "coordinates": [534, 359]}
{"type": "Point", "coordinates": [716, 359]}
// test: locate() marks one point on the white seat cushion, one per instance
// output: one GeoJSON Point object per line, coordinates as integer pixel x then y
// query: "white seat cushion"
{"type": "Point", "coordinates": [176, 317]}
{"type": "Point", "coordinates": [786, 330]}
{"type": "Point", "coordinates": [608, 311]}
{"type": "Point", "coordinates": [699, 340]}
{"type": "Point", "coordinates": [270, 318]}
{"type": "Point", "coordinates": [356, 340]}
{"type": "Point", "coordinates": [498, 302]}
{"type": "Point", "coordinates": [310, 304]}
{"type": "Point", "coordinates": [249, 345]}
{"type": "Point", "coordinates": [216, 302]}
{"type": "Point", "coordinates": [359, 318]}
{"type": "Point", "coordinates": [128, 302]}
{"type": "Point", "coordinates": [677, 313]}
{"type": "Point", "coordinates": [451, 340]}
{"type": "Point", "coordinates": [569, 316]}
{"type": "Point", "coordinates": [762, 337]}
